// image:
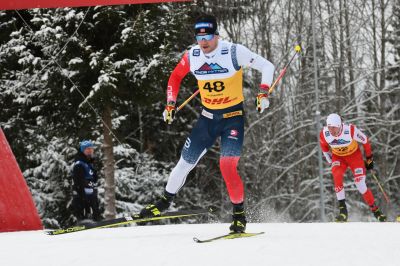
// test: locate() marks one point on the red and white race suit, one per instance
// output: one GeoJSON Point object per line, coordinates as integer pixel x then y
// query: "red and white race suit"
{"type": "Point", "coordinates": [343, 151]}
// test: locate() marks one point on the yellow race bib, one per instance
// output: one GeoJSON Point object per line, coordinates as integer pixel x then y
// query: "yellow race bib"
{"type": "Point", "coordinates": [222, 93]}
{"type": "Point", "coordinates": [346, 150]}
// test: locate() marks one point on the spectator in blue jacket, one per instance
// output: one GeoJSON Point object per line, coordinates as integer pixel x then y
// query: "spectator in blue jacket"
{"type": "Point", "coordinates": [85, 202]}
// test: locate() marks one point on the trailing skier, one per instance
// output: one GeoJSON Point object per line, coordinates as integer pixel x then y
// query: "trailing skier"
{"type": "Point", "coordinates": [340, 145]}
{"type": "Point", "coordinates": [217, 66]}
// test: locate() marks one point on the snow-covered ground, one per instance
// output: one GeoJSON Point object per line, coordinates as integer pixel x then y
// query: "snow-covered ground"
{"type": "Point", "coordinates": [306, 244]}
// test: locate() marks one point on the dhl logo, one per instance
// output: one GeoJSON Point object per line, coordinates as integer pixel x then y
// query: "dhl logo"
{"type": "Point", "coordinates": [222, 100]}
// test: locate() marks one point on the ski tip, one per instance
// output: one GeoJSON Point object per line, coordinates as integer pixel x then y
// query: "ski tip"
{"type": "Point", "coordinates": [227, 236]}
{"type": "Point", "coordinates": [195, 239]}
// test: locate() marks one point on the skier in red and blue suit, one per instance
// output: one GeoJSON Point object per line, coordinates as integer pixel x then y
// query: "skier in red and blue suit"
{"type": "Point", "coordinates": [218, 68]}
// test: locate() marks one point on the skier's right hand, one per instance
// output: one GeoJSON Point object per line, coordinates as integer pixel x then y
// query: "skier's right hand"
{"type": "Point", "coordinates": [169, 112]}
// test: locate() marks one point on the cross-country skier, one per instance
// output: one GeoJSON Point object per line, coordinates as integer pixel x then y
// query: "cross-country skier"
{"type": "Point", "coordinates": [340, 146]}
{"type": "Point", "coordinates": [218, 68]}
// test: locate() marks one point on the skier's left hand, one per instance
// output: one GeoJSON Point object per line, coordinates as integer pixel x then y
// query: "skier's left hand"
{"type": "Point", "coordinates": [369, 163]}
{"type": "Point", "coordinates": [262, 101]}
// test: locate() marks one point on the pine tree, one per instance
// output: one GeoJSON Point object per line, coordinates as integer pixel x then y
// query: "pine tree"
{"type": "Point", "coordinates": [62, 68]}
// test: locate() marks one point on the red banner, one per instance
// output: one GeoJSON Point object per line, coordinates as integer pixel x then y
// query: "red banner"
{"type": "Point", "coordinates": [17, 209]}
{"type": "Point", "coordinates": [26, 4]}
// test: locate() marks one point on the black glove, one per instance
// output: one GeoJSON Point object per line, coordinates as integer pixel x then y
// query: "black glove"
{"type": "Point", "coordinates": [369, 163]}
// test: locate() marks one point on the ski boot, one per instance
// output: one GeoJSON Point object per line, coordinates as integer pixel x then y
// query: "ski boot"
{"type": "Point", "coordinates": [238, 224]}
{"type": "Point", "coordinates": [343, 215]}
{"type": "Point", "coordinates": [378, 214]}
{"type": "Point", "coordinates": [154, 210]}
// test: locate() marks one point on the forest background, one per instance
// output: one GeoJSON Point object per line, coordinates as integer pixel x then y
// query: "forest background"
{"type": "Point", "coordinates": [69, 74]}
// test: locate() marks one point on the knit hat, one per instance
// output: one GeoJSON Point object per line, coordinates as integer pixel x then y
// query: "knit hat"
{"type": "Point", "coordinates": [333, 120]}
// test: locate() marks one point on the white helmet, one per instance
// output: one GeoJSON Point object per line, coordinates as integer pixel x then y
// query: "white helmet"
{"type": "Point", "coordinates": [333, 120]}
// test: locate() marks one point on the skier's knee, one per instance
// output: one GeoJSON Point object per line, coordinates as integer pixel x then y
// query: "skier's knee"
{"type": "Point", "coordinates": [178, 175]}
{"type": "Point", "coordinates": [184, 166]}
{"type": "Point", "coordinates": [360, 184]}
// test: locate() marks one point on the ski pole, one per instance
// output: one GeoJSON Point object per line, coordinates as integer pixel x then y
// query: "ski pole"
{"type": "Point", "coordinates": [380, 187]}
{"type": "Point", "coordinates": [297, 49]}
{"type": "Point", "coordinates": [188, 100]}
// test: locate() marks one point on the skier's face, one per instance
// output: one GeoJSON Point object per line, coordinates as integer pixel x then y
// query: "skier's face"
{"type": "Point", "coordinates": [89, 152]}
{"type": "Point", "coordinates": [207, 43]}
{"type": "Point", "coordinates": [335, 131]}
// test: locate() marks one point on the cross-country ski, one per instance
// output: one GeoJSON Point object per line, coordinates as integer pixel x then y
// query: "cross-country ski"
{"type": "Point", "coordinates": [226, 236]}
